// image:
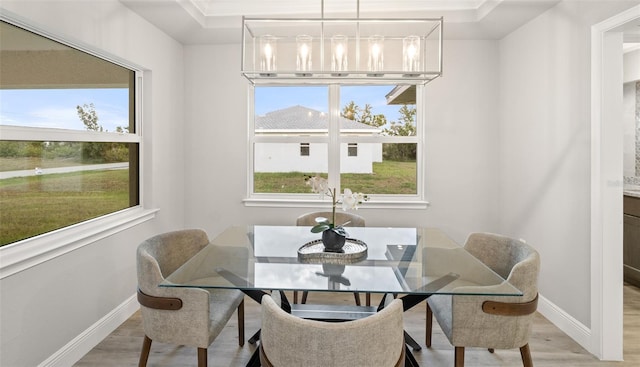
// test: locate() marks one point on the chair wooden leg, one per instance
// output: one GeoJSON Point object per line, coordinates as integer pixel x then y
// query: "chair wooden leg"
{"type": "Point", "coordinates": [525, 353]}
{"type": "Point", "coordinates": [356, 295]}
{"type": "Point", "coordinates": [459, 359]}
{"type": "Point", "coordinates": [144, 354]}
{"type": "Point", "coordinates": [304, 297]}
{"type": "Point", "coordinates": [429, 326]}
{"type": "Point", "coordinates": [368, 299]}
{"type": "Point", "coordinates": [295, 296]}
{"type": "Point", "coordinates": [202, 357]}
{"type": "Point", "coordinates": [241, 323]}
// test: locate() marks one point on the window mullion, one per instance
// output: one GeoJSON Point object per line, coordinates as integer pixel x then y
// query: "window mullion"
{"type": "Point", "coordinates": [334, 136]}
{"type": "Point", "coordinates": [421, 135]}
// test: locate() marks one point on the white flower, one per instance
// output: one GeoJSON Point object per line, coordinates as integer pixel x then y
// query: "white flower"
{"type": "Point", "coordinates": [318, 184]}
{"type": "Point", "coordinates": [349, 200]}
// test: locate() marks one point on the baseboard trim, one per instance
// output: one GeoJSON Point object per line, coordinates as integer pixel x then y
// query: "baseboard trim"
{"type": "Point", "coordinates": [73, 351]}
{"type": "Point", "coordinates": [565, 322]}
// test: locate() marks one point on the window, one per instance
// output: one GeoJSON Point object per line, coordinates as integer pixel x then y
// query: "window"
{"type": "Point", "coordinates": [304, 149]}
{"type": "Point", "coordinates": [69, 148]}
{"type": "Point", "coordinates": [353, 135]}
{"type": "Point", "coordinates": [352, 150]}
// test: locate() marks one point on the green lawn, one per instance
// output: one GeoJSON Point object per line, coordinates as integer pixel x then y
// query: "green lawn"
{"type": "Point", "coordinates": [388, 177]}
{"type": "Point", "coordinates": [33, 205]}
{"type": "Point", "coordinates": [28, 163]}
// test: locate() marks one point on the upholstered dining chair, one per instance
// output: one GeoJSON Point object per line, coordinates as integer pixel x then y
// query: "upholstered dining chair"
{"type": "Point", "coordinates": [491, 322]}
{"type": "Point", "coordinates": [184, 316]}
{"type": "Point", "coordinates": [342, 218]}
{"type": "Point", "coordinates": [287, 340]}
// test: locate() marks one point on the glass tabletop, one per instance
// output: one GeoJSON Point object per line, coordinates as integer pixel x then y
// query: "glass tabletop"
{"type": "Point", "coordinates": [397, 260]}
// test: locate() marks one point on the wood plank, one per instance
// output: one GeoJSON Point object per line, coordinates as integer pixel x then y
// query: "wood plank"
{"type": "Point", "coordinates": [549, 346]}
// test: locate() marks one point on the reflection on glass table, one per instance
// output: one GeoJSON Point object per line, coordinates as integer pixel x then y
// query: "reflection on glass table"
{"type": "Point", "coordinates": [413, 262]}
{"type": "Point", "coordinates": [399, 260]}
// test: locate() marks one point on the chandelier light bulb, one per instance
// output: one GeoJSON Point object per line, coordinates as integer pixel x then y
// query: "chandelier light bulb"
{"type": "Point", "coordinates": [339, 57]}
{"type": "Point", "coordinates": [376, 55]}
{"type": "Point", "coordinates": [268, 52]}
{"type": "Point", "coordinates": [303, 59]}
{"type": "Point", "coordinates": [411, 55]}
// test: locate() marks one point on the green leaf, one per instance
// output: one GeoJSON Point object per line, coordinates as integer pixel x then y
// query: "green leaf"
{"type": "Point", "coordinates": [320, 227]}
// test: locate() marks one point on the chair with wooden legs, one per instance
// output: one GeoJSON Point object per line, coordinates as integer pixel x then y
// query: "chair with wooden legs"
{"type": "Point", "coordinates": [491, 322]}
{"type": "Point", "coordinates": [183, 316]}
{"type": "Point", "coordinates": [351, 220]}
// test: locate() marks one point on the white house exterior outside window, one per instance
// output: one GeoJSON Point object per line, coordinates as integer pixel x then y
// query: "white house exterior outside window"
{"type": "Point", "coordinates": [299, 120]}
{"type": "Point", "coordinates": [350, 135]}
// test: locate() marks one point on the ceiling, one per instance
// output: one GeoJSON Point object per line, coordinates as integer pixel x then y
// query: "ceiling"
{"type": "Point", "coordinates": [220, 21]}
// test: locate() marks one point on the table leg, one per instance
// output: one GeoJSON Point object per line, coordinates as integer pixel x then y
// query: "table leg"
{"type": "Point", "coordinates": [257, 295]}
{"type": "Point", "coordinates": [254, 361]}
{"type": "Point", "coordinates": [255, 337]}
{"type": "Point", "coordinates": [411, 342]}
{"type": "Point", "coordinates": [411, 300]}
{"type": "Point", "coordinates": [409, 359]}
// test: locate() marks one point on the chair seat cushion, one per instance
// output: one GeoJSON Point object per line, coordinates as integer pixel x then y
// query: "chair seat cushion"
{"type": "Point", "coordinates": [441, 307]}
{"type": "Point", "coordinates": [223, 302]}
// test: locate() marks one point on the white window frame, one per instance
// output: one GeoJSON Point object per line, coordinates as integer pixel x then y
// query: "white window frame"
{"type": "Point", "coordinates": [21, 255]}
{"type": "Point", "coordinates": [334, 139]}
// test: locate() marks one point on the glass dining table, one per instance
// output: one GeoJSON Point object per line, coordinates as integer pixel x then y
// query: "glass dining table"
{"type": "Point", "coordinates": [409, 263]}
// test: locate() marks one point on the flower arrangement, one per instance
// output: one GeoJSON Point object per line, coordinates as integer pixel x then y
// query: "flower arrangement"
{"type": "Point", "coordinates": [349, 200]}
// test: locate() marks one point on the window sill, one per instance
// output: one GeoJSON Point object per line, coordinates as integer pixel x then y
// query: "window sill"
{"type": "Point", "coordinates": [30, 252]}
{"type": "Point", "coordinates": [310, 203]}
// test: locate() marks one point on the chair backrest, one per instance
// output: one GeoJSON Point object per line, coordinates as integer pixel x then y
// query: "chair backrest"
{"type": "Point", "coordinates": [287, 340]}
{"type": "Point", "coordinates": [157, 257]}
{"type": "Point", "coordinates": [352, 220]}
{"type": "Point", "coordinates": [464, 319]}
{"type": "Point", "coordinates": [512, 259]}
{"type": "Point", "coordinates": [162, 254]}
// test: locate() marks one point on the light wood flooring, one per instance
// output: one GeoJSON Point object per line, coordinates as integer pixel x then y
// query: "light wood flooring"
{"type": "Point", "coordinates": [549, 346]}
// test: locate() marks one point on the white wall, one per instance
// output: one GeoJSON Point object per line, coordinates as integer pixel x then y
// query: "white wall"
{"type": "Point", "coordinates": [545, 146]}
{"type": "Point", "coordinates": [461, 144]}
{"type": "Point", "coordinates": [45, 307]}
{"type": "Point", "coordinates": [631, 71]}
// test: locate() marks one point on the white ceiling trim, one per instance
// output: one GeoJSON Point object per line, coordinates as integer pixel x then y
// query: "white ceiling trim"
{"type": "Point", "coordinates": [332, 7]}
{"type": "Point", "coordinates": [220, 21]}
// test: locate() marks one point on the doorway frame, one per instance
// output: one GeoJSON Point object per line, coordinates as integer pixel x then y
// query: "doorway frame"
{"type": "Point", "coordinates": [607, 187]}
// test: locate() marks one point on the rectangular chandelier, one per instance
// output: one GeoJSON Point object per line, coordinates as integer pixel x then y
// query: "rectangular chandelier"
{"type": "Point", "coordinates": [321, 50]}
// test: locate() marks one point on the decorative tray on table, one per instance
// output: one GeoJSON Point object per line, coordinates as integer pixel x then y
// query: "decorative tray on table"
{"type": "Point", "coordinates": [313, 252]}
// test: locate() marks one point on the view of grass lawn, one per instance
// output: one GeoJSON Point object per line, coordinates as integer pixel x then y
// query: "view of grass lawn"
{"type": "Point", "coordinates": [33, 205]}
{"type": "Point", "coordinates": [29, 163]}
{"type": "Point", "coordinates": [388, 177]}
